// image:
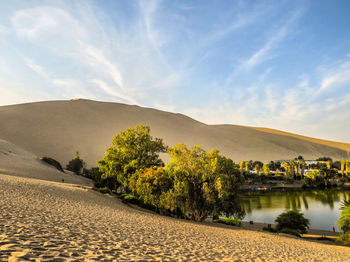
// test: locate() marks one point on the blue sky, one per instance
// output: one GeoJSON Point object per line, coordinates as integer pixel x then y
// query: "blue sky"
{"type": "Point", "coordinates": [277, 64]}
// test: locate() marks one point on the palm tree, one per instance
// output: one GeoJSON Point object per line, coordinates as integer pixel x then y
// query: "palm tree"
{"type": "Point", "coordinates": [303, 165]}
{"type": "Point", "coordinates": [241, 164]}
{"type": "Point", "coordinates": [246, 166]}
{"type": "Point", "coordinates": [342, 164]}
{"type": "Point", "coordinates": [292, 167]}
{"type": "Point", "coordinates": [266, 169]}
{"type": "Point", "coordinates": [286, 167]}
{"type": "Point", "coordinates": [257, 169]}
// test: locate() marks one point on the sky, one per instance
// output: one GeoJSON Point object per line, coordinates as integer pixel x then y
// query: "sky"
{"type": "Point", "coordinates": [277, 64]}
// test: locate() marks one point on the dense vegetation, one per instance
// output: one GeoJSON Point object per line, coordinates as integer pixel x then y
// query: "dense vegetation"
{"type": "Point", "coordinates": [195, 184]}
{"type": "Point", "coordinates": [344, 223]}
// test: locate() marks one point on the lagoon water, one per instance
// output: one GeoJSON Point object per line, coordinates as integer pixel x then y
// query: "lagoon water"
{"type": "Point", "coordinates": [321, 207]}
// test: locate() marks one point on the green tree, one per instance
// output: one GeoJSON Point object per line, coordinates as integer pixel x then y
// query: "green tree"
{"type": "Point", "coordinates": [241, 165]}
{"type": "Point", "coordinates": [293, 220]}
{"type": "Point", "coordinates": [152, 185]}
{"type": "Point", "coordinates": [204, 182]}
{"type": "Point", "coordinates": [76, 165]}
{"type": "Point", "coordinates": [266, 169]}
{"type": "Point", "coordinates": [286, 168]}
{"type": "Point", "coordinates": [342, 165]}
{"type": "Point", "coordinates": [132, 150]}
{"type": "Point", "coordinates": [344, 221]}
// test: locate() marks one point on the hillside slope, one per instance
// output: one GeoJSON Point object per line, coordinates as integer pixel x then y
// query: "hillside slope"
{"type": "Point", "coordinates": [59, 128]}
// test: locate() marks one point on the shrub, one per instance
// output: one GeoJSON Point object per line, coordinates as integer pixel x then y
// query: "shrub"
{"type": "Point", "coordinates": [229, 221]}
{"type": "Point", "coordinates": [344, 238]}
{"type": "Point", "coordinates": [292, 219]}
{"type": "Point", "coordinates": [52, 162]}
{"type": "Point", "coordinates": [344, 221]}
{"type": "Point", "coordinates": [104, 190]}
{"type": "Point", "coordinates": [128, 198]}
{"type": "Point", "coordinates": [269, 229]}
{"type": "Point", "coordinates": [290, 232]}
{"type": "Point", "coordinates": [76, 165]}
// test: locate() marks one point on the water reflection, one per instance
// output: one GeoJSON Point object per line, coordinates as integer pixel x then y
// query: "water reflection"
{"type": "Point", "coordinates": [292, 199]}
{"type": "Point", "coordinates": [320, 206]}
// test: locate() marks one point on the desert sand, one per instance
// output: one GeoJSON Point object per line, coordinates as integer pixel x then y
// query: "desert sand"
{"type": "Point", "coordinates": [60, 128]}
{"type": "Point", "coordinates": [52, 221]}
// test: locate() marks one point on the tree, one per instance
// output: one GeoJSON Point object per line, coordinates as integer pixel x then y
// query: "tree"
{"type": "Point", "coordinates": [266, 170]}
{"type": "Point", "coordinates": [286, 168]}
{"type": "Point", "coordinates": [300, 158]}
{"type": "Point", "coordinates": [324, 158]}
{"type": "Point", "coordinates": [152, 185]}
{"type": "Point", "coordinates": [303, 165]}
{"type": "Point", "coordinates": [76, 165]}
{"type": "Point", "coordinates": [132, 150]}
{"type": "Point", "coordinates": [246, 166]}
{"type": "Point", "coordinates": [344, 221]}
{"type": "Point", "coordinates": [241, 165]}
{"type": "Point", "coordinates": [342, 165]}
{"type": "Point", "coordinates": [292, 166]}
{"type": "Point", "coordinates": [257, 166]}
{"type": "Point", "coordinates": [205, 183]}
{"type": "Point", "coordinates": [293, 220]}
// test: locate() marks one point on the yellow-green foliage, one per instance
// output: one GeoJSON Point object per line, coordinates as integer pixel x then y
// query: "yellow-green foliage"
{"type": "Point", "coordinates": [266, 169]}
{"type": "Point", "coordinates": [151, 185]}
{"type": "Point", "coordinates": [344, 238]}
{"type": "Point", "coordinates": [204, 182]}
{"type": "Point", "coordinates": [344, 221]}
{"type": "Point", "coordinates": [104, 190]}
{"type": "Point", "coordinates": [195, 183]}
{"type": "Point", "coordinates": [132, 150]}
{"type": "Point", "coordinates": [229, 221]}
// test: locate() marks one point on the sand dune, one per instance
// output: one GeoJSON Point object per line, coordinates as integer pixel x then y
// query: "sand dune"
{"type": "Point", "coordinates": [59, 128]}
{"type": "Point", "coordinates": [342, 146]}
{"type": "Point", "coordinates": [50, 221]}
{"type": "Point", "coordinates": [16, 161]}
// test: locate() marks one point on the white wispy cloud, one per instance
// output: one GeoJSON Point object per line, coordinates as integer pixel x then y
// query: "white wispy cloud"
{"type": "Point", "coordinates": [102, 60]}
{"type": "Point", "coordinates": [333, 78]}
{"type": "Point", "coordinates": [149, 9]}
{"type": "Point", "coordinates": [265, 52]}
{"type": "Point", "coordinates": [121, 63]}
{"type": "Point", "coordinates": [340, 78]}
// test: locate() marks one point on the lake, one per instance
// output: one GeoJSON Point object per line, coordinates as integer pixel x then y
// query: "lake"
{"type": "Point", "coordinates": [321, 207]}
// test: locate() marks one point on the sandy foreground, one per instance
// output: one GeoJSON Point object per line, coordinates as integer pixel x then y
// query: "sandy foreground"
{"type": "Point", "coordinates": [51, 221]}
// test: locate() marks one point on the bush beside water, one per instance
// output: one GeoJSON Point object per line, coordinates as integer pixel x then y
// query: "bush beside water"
{"type": "Point", "coordinates": [344, 238]}
{"type": "Point", "coordinates": [290, 222]}
{"type": "Point", "coordinates": [229, 221]}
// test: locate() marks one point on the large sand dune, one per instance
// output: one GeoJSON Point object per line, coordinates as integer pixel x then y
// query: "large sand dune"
{"type": "Point", "coordinates": [59, 128]}
{"type": "Point", "coordinates": [50, 221]}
